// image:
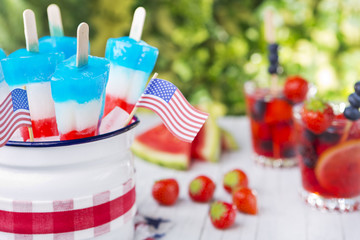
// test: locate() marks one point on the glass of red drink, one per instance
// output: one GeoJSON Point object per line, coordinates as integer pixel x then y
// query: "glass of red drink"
{"type": "Point", "coordinates": [330, 162]}
{"type": "Point", "coordinates": [272, 126]}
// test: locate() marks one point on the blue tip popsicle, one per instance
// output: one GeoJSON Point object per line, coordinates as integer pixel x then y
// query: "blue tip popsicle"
{"type": "Point", "coordinates": [131, 63]}
{"type": "Point", "coordinates": [65, 45]}
{"type": "Point", "coordinates": [23, 67]}
{"type": "Point", "coordinates": [57, 42]}
{"type": "Point", "coordinates": [4, 88]}
{"type": "Point", "coordinates": [79, 95]}
{"type": "Point", "coordinates": [33, 69]}
{"type": "Point", "coordinates": [78, 89]}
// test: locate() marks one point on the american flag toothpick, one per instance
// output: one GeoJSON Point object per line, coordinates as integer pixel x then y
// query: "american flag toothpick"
{"type": "Point", "coordinates": [178, 115]}
{"type": "Point", "coordinates": [14, 113]}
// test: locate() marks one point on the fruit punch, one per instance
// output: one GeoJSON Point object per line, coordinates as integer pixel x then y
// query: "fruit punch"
{"type": "Point", "coordinates": [272, 128]}
{"type": "Point", "coordinates": [329, 161]}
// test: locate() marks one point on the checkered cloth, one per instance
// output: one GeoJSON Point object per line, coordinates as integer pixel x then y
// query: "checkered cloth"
{"type": "Point", "coordinates": [74, 219]}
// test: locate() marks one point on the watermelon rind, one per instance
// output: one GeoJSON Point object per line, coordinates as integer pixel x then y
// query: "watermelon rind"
{"type": "Point", "coordinates": [211, 148]}
{"type": "Point", "coordinates": [228, 142]}
{"type": "Point", "coordinates": [165, 159]}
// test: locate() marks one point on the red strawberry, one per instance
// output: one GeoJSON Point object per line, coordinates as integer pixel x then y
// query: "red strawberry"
{"type": "Point", "coordinates": [222, 214]}
{"type": "Point", "coordinates": [234, 179]}
{"type": "Point", "coordinates": [245, 200]}
{"type": "Point", "coordinates": [201, 189]}
{"type": "Point", "coordinates": [295, 89]}
{"type": "Point", "coordinates": [166, 191]}
{"type": "Point", "coordinates": [317, 115]}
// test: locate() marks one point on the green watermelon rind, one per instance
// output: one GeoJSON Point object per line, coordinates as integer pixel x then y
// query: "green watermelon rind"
{"type": "Point", "coordinates": [228, 140]}
{"type": "Point", "coordinates": [212, 144]}
{"type": "Point", "coordinates": [165, 159]}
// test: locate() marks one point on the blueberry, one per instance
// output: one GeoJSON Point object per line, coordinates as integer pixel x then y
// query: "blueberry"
{"type": "Point", "coordinates": [273, 48]}
{"type": "Point", "coordinates": [288, 152]}
{"type": "Point", "coordinates": [309, 162]}
{"type": "Point", "coordinates": [273, 59]}
{"type": "Point", "coordinates": [308, 155]}
{"type": "Point", "coordinates": [273, 69]}
{"type": "Point", "coordinates": [309, 135]}
{"type": "Point", "coordinates": [258, 110]}
{"type": "Point", "coordinates": [329, 136]}
{"type": "Point", "coordinates": [266, 145]}
{"type": "Point", "coordinates": [357, 88]}
{"type": "Point", "coordinates": [354, 100]}
{"type": "Point", "coordinates": [352, 113]}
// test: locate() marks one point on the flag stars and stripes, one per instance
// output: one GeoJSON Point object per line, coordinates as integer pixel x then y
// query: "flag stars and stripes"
{"type": "Point", "coordinates": [20, 100]}
{"type": "Point", "coordinates": [181, 119]}
{"type": "Point", "coordinates": [161, 89]}
{"type": "Point", "coordinates": [14, 113]}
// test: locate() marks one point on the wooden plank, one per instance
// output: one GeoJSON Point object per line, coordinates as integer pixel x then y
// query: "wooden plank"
{"type": "Point", "coordinates": [350, 223]}
{"type": "Point", "coordinates": [282, 214]}
{"type": "Point", "coordinates": [325, 226]}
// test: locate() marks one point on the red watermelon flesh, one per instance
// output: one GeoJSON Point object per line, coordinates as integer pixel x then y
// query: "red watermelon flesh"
{"type": "Point", "coordinates": [207, 144]}
{"type": "Point", "coordinates": [159, 146]}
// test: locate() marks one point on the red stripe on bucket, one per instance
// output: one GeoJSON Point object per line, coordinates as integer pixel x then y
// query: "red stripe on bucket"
{"type": "Point", "coordinates": [68, 220]}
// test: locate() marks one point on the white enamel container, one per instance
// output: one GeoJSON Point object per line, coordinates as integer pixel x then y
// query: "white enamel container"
{"type": "Point", "coordinates": [77, 169]}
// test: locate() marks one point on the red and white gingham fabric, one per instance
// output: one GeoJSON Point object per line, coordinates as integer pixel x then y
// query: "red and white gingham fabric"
{"type": "Point", "coordinates": [74, 219]}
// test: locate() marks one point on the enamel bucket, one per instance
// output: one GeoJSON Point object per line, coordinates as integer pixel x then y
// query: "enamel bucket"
{"type": "Point", "coordinates": [68, 190]}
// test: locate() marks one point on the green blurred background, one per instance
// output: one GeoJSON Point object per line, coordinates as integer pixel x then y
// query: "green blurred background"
{"type": "Point", "coordinates": [210, 47]}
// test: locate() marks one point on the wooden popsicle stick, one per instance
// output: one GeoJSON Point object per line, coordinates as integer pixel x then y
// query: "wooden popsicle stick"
{"type": "Point", "coordinates": [31, 37]}
{"type": "Point", "coordinates": [137, 24]}
{"type": "Point", "coordinates": [130, 117]}
{"type": "Point", "coordinates": [55, 23]}
{"type": "Point", "coordinates": [82, 53]}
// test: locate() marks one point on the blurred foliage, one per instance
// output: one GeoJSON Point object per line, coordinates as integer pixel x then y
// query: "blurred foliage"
{"type": "Point", "coordinates": [210, 47]}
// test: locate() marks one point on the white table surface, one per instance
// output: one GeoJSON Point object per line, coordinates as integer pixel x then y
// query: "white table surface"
{"type": "Point", "coordinates": [282, 214]}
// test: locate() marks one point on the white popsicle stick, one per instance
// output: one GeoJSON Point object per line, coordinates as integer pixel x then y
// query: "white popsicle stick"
{"type": "Point", "coordinates": [137, 24]}
{"type": "Point", "coordinates": [31, 37]}
{"type": "Point", "coordinates": [269, 27]}
{"type": "Point", "coordinates": [82, 53]}
{"type": "Point", "coordinates": [55, 23]}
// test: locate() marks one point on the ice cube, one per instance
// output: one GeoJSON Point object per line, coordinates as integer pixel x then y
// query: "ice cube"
{"type": "Point", "coordinates": [113, 121]}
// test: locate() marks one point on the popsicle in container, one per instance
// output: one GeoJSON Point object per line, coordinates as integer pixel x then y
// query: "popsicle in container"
{"type": "Point", "coordinates": [78, 89]}
{"type": "Point", "coordinates": [32, 69]}
{"type": "Point", "coordinates": [131, 63]}
{"type": "Point", "coordinates": [57, 42]}
{"type": "Point", "coordinates": [4, 88]}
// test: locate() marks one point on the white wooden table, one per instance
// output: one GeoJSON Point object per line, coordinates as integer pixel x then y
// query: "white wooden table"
{"type": "Point", "coordinates": [282, 214]}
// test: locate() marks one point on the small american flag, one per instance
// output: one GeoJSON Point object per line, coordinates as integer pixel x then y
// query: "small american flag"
{"type": "Point", "coordinates": [165, 99]}
{"type": "Point", "coordinates": [14, 113]}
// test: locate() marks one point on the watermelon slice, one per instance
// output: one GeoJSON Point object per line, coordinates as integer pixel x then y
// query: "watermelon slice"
{"type": "Point", "coordinates": [159, 146]}
{"type": "Point", "coordinates": [228, 142]}
{"type": "Point", "coordinates": [207, 144]}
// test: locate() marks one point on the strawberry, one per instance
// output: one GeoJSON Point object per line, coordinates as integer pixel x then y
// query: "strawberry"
{"type": "Point", "coordinates": [201, 189]}
{"type": "Point", "coordinates": [295, 89]}
{"type": "Point", "coordinates": [166, 191]}
{"type": "Point", "coordinates": [317, 115]}
{"type": "Point", "coordinates": [234, 179]}
{"type": "Point", "coordinates": [245, 200]}
{"type": "Point", "coordinates": [222, 214]}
